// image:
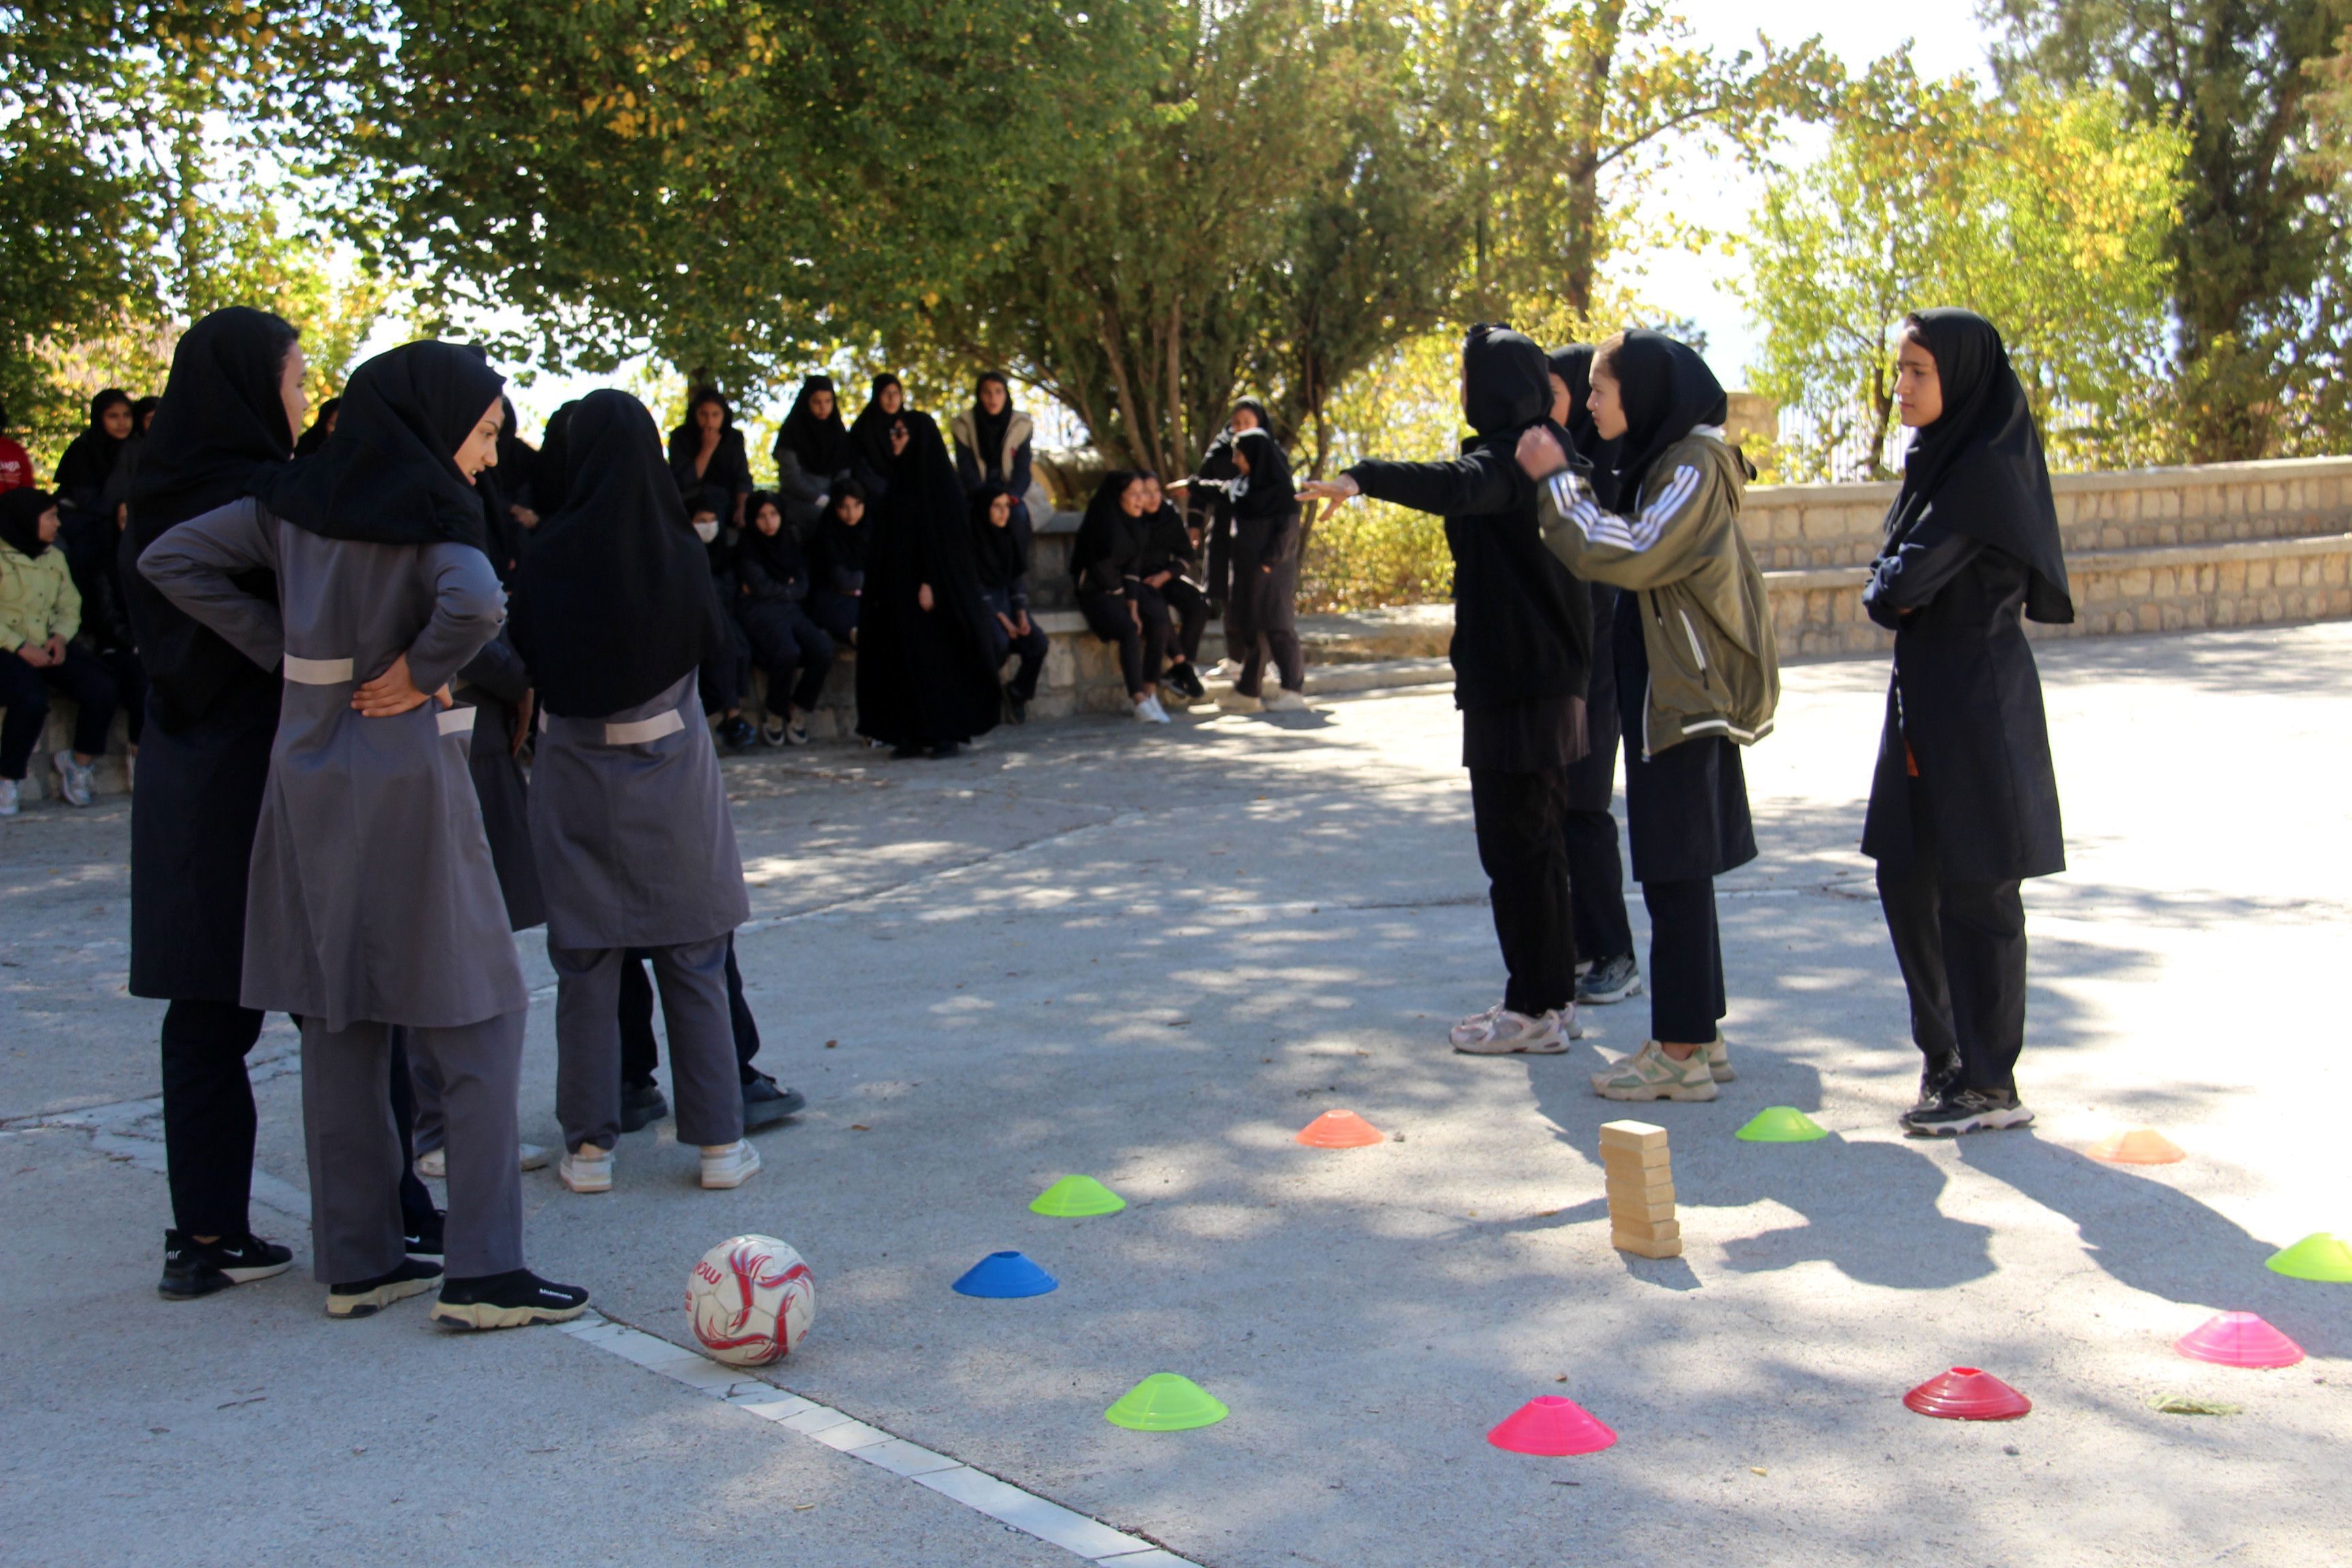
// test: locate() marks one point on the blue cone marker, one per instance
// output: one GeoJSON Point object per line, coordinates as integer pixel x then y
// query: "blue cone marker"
{"type": "Point", "coordinates": [1002, 1275]}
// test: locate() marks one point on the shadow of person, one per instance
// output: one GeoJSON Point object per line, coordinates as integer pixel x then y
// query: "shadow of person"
{"type": "Point", "coordinates": [1868, 1208]}
{"type": "Point", "coordinates": [2156, 1238]}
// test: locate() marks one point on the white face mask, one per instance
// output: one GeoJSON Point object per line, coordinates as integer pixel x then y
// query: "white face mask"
{"type": "Point", "coordinates": [707, 532]}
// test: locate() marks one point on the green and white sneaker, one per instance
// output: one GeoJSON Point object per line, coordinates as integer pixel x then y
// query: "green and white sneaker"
{"type": "Point", "coordinates": [1651, 1074]}
{"type": "Point", "coordinates": [1719, 1059]}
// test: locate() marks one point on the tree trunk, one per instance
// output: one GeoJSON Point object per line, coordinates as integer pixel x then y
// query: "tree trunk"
{"type": "Point", "coordinates": [1581, 248]}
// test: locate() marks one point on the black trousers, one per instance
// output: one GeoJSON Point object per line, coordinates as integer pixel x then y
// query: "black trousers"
{"type": "Point", "coordinates": [1962, 947]}
{"type": "Point", "coordinates": [1596, 881]}
{"type": "Point", "coordinates": [1262, 621]}
{"type": "Point", "coordinates": [1032, 649]}
{"type": "Point", "coordinates": [640, 1055]}
{"type": "Point", "coordinates": [1141, 648]}
{"type": "Point", "coordinates": [727, 671]}
{"type": "Point", "coordinates": [208, 1118]}
{"type": "Point", "coordinates": [795, 652]}
{"type": "Point", "coordinates": [25, 693]}
{"type": "Point", "coordinates": [1518, 817]}
{"type": "Point", "coordinates": [1686, 1000]}
{"type": "Point", "coordinates": [129, 686]}
{"type": "Point", "coordinates": [1190, 608]}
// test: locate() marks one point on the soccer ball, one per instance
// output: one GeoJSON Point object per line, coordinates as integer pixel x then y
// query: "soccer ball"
{"type": "Point", "coordinates": [749, 1299]}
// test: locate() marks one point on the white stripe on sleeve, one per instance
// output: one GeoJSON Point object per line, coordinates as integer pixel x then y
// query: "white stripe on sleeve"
{"type": "Point", "coordinates": [1634, 534]}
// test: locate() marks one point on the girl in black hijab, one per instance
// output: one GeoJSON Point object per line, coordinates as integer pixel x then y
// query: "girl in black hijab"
{"type": "Point", "coordinates": [837, 563]}
{"type": "Point", "coordinates": [1107, 570]}
{"type": "Point", "coordinates": [771, 578]}
{"type": "Point", "coordinates": [230, 411]}
{"type": "Point", "coordinates": [811, 451]}
{"type": "Point", "coordinates": [707, 457]}
{"type": "Point", "coordinates": [1210, 509]}
{"type": "Point", "coordinates": [1262, 615]}
{"type": "Point", "coordinates": [926, 681]}
{"type": "Point", "coordinates": [1001, 548]}
{"type": "Point", "coordinates": [89, 460]}
{"type": "Point", "coordinates": [322, 425]}
{"type": "Point", "coordinates": [1521, 652]}
{"type": "Point", "coordinates": [1606, 969]}
{"type": "Point", "coordinates": [1171, 568]}
{"type": "Point", "coordinates": [1964, 803]}
{"type": "Point", "coordinates": [870, 438]}
{"type": "Point", "coordinates": [1697, 674]}
{"type": "Point", "coordinates": [993, 441]}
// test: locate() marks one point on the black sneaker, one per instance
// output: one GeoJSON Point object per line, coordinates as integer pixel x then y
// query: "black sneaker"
{"type": "Point", "coordinates": [1187, 680]}
{"type": "Point", "coordinates": [1935, 1077]}
{"type": "Point", "coordinates": [738, 734]}
{"type": "Point", "coordinates": [1959, 1110]}
{"type": "Point", "coordinates": [369, 1297]}
{"type": "Point", "coordinates": [509, 1300]}
{"type": "Point", "coordinates": [1610, 980]}
{"type": "Point", "coordinates": [642, 1105]}
{"type": "Point", "coordinates": [766, 1102]}
{"type": "Point", "coordinates": [425, 1230]}
{"type": "Point", "coordinates": [1016, 707]}
{"type": "Point", "coordinates": [194, 1268]}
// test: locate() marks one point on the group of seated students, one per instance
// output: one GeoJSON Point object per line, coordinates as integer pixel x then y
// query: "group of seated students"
{"type": "Point", "coordinates": [63, 627]}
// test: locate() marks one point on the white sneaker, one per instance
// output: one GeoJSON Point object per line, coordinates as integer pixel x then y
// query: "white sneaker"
{"type": "Point", "coordinates": [588, 1171]}
{"type": "Point", "coordinates": [1150, 712]}
{"type": "Point", "coordinates": [1234, 703]}
{"type": "Point", "coordinates": [1503, 1033]}
{"type": "Point", "coordinates": [532, 1156]}
{"type": "Point", "coordinates": [1282, 699]}
{"type": "Point", "coordinates": [8, 805]}
{"type": "Point", "coordinates": [1651, 1074]}
{"type": "Point", "coordinates": [730, 1166]}
{"type": "Point", "coordinates": [73, 777]}
{"type": "Point", "coordinates": [433, 1165]}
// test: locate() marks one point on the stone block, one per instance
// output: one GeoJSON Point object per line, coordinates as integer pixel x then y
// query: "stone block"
{"type": "Point", "coordinates": [2113, 536]}
{"type": "Point", "coordinates": [2135, 582]}
{"type": "Point", "coordinates": [2232, 576]}
{"type": "Point", "coordinates": [2258, 575]}
{"type": "Point", "coordinates": [2167, 502]}
{"type": "Point", "coordinates": [2273, 607]}
{"type": "Point", "coordinates": [2197, 500]}
{"type": "Point", "coordinates": [2333, 570]}
{"type": "Point", "coordinates": [2273, 498]}
{"type": "Point", "coordinates": [2148, 619]}
{"type": "Point", "coordinates": [2162, 582]}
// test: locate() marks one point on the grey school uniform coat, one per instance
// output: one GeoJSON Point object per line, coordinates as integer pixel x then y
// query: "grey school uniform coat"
{"type": "Point", "coordinates": [630, 826]}
{"type": "Point", "coordinates": [372, 896]}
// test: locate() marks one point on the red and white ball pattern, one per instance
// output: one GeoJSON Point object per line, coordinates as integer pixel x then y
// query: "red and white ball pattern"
{"type": "Point", "coordinates": [750, 1299]}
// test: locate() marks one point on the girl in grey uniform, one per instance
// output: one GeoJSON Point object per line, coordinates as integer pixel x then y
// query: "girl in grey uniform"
{"type": "Point", "coordinates": [372, 902]}
{"type": "Point", "coordinates": [613, 613]}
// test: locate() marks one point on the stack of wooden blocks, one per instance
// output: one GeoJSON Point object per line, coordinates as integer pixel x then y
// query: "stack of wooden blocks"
{"type": "Point", "coordinates": [1641, 1186]}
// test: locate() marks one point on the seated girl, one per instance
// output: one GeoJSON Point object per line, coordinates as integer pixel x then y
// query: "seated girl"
{"type": "Point", "coordinates": [837, 563]}
{"type": "Point", "coordinates": [1105, 564]}
{"type": "Point", "coordinates": [1000, 549]}
{"type": "Point", "coordinates": [772, 580]}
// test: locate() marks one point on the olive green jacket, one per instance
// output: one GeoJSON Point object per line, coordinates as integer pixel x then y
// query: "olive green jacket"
{"type": "Point", "coordinates": [37, 600]}
{"type": "Point", "coordinates": [1705, 624]}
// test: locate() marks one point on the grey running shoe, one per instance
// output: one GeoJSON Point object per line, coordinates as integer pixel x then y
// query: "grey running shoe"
{"type": "Point", "coordinates": [1610, 980]}
{"type": "Point", "coordinates": [1959, 1110]}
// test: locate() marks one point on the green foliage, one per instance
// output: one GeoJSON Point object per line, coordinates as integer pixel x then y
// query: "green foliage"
{"type": "Point", "coordinates": [1366, 555]}
{"type": "Point", "coordinates": [2048, 214]}
{"type": "Point", "coordinates": [2256, 257]}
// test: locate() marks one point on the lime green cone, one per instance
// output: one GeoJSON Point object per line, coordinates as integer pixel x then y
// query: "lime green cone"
{"type": "Point", "coordinates": [1782, 1124]}
{"type": "Point", "coordinates": [1075, 1197]}
{"type": "Point", "coordinates": [1166, 1403]}
{"type": "Point", "coordinates": [2318, 1256]}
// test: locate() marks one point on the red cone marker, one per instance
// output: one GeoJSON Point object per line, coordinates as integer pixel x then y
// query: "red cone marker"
{"type": "Point", "coordinates": [1550, 1425]}
{"type": "Point", "coordinates": [1964, 1394]}
{"type": "Point", "coordinates": [2238, 1339]}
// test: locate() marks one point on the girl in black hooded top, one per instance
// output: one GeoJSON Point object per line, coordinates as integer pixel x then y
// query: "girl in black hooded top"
{"type": "Point", "coordinates": [926, 675]}
{"type": "Point", "coordinates": [1210, 510]}
{"type": "Point", "coordinates": [1171, 567]}
{"type": "Point", "coordinates": [837, 563]}
{"type": "Point", "coordinates": [772, 577]}
{"type": "Point", "coordinates": [1964, 803]}
{"type": "Point", "coordinates": [1606, 969]}
{"type": "Point", "coordinates": [230, 411]}
{"type": "Point", "coordinates": [322, 425]}
{"type": "Point", "coordinates": [89, 461]}
{"type": "Point", "coordinates": [1000, 554]}
{"type": "Point", "coordinates": [1262, 615]}
{"type": "Point", "coordinates": [872, 453]}
{"type": "Point", "coordinates": [812, 452]}
{"type": "Point", "coordinates": [1521, 652]}
{"type": "Point", "coordinates": [1106, 569]}
{"type": "Point", "coordinates": [707, 460]}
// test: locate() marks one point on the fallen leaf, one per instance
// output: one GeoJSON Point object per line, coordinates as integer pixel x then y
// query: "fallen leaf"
{"type": "Point", "coordinates": [1757, 1470]}
{"type": "Point", "coordinates": [859, 1127]}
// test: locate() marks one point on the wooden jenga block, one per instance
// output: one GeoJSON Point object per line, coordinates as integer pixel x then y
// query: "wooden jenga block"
{"type": "Point", "coordinates": [1661, 1191]}
{"type": "Point", "coordinates": [1616, 1157]}
{"type": "Point", "coordinates": [1632, 1211]}
{"type": "Point", "coordinates": [1642, 1246]}
{"type": "Point", "coordinates": [1632, 1135]}
{"type": "Point", "coordinates": [1667, 1229]}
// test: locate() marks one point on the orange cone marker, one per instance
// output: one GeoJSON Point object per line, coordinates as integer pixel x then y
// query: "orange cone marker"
{"type": "Point", "coordinates": [2140, 1146]}
{"type": "Point", "coordinates": [1340, 1129]}
{"type": "Point", "coordinates": [1553, 1426]}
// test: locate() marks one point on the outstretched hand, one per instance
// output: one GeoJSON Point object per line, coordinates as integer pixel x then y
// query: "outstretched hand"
{"type": "Point", "coordinates": [1540, 454]}
{"type": "Point", "coordinates": [1342, 489]}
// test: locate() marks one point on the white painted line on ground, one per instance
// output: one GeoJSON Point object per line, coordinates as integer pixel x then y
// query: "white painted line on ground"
{"type": "Point", "coordinates": [976, 1490]}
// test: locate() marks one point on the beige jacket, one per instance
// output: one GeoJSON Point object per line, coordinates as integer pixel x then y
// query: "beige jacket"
{"type": "Point", "coordinates": [1706, 625]}
{"type": "Point", "coordinates": [37, 600]}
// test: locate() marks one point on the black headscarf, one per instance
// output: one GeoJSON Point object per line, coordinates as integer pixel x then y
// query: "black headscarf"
{"type": "Point", "coordinates": [821, 445]}
{"type": "Point", "coordinates": [142, 412]}
{"type": "Point", "coordinates": [389, 473]}
{"type": "Point", "coordinates": [778, 554]}
{"type": "Point", "coordinates": [871, 433]}
{"type": "Point", "coordinates": [552, 468]}
{"type": "Point", "coordinates": [923, 677]}
{"type": "Point", "coordinates": [516, 457]}
{"type": "Point", "coordinates": [1978, 469]}
{"type": "Point", "coordinates": [1000, 555]}
{"type": "Point", "coordinates": [613, 603]}
{"type": "Point", "coordinates": [1265, 420]}
{"type": "Point", "coordinates": [1270, 486]}
{"type": "Point", "coordinates": [89, 458]}
{"type": "Point", "coordinates": [1573, 364]}
{"type": "Point", "coordinates": [20, 520]}
{"type": "Point", "coordinates": [1667, 392]}
{"type": "Point", "coordinates": [1106, 533]}
{"type": "Point", "coordinates": [220, 427]}
{"type": "Point", "coordinates": [839, 546]}
{"type": "Point", "coordinates": [1505, 385]}
{"type": "Point", "coordinates": [989, 428]}
{"type": "Point", "coordinates": [321, 425]}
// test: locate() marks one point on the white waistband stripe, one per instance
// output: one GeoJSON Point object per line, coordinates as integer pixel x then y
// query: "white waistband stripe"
{"type": "Point", "coordinates": [456, 721]}
{"type": "Point", "coordinates": [318, 671]}
{"type": "Point", "coordinates": [642, 730]}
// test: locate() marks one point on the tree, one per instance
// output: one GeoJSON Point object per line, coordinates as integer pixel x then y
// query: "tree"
{"type": "Point", "coordinates": [2251, 253]}
{"type": "Point", "coordinates": [2049, 214]}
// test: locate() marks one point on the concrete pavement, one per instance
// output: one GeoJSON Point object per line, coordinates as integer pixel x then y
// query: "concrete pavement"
{"type": "Point", "coordinates": [1150, 956]}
